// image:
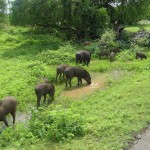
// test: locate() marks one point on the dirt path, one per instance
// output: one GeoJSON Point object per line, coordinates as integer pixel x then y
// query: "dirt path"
{"type": "Point", "coordinates": [143, 142]}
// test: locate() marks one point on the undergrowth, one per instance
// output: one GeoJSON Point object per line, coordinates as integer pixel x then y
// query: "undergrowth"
{"type": "Point", "coordinates": [104, 120]}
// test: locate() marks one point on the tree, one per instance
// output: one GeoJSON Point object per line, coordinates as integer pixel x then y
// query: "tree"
{"type": "Point", "coordinates": [133, 11]}
{"type": "Point", "coordinates": [77, 18]}
{"type": "Point", "coordinates": [2, 10]}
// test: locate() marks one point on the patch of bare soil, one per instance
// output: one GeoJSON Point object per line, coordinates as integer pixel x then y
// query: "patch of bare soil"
{"type": "Point", "coordinates": [84, 89]}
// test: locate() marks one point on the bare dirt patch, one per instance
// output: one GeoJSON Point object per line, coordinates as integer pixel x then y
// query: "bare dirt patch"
{"type": "Point", "coordinates": [85, 89]}
{"type": "Point", "coordinates": [98, 82]}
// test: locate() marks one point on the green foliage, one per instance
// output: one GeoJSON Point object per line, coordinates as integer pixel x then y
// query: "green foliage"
{"type": "Point", "coordinates": [56, 57]}
{"type": "Point", "coordinates": [76, 19]}
{"type": "Point", "coordinates": [126, 55]}
{"type": "Point", "coordinates": [92, 48]}
{"type": "Point", "coordinates": [100, 23]}
{"type": "Point", "coordinates": [133, 11]}
{"type": "Point", "coordinates": [57, 124]}
{"type": "Point", "coordinates": [99, 67]}
{"type": "Point", "coordinates": [19, 133]}
{"type": "Point", "coordinates": [2, 10]}
{"type": "Point", "coordinates": [105, 119]}
{"type": "Point", "coordinates": [107, 40]}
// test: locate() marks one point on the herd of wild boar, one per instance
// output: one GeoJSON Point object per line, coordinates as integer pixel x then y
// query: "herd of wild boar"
{"type": "Point", "coordinates": [9, 103]}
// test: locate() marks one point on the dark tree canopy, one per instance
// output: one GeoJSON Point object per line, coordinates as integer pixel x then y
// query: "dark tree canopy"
{"type": "Point", "coordinates": [2, 10]}
{"type": "Point", "coordinates": [77, 17]}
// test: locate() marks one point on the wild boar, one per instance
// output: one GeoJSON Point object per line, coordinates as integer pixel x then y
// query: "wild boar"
{"type": "Point", "coordinates": [140, 55]}
{"type": "Point", "coordinates": [105, 53]}
{"type": "Point", "coordinates": [86, 43]}
{"type": "Point", "coordinates": [83, 56]}
{"type": "Point", "coordinates": [43, 89]}
{"type": "Point", "coordinates": [60, 71]}
{"type": "Point", "coordinates": [112, 56]}
{"type": "Point", "coordinates": [80, 73]}
{"type": "Point", "coordinates": [8, 105]}
{"type": "Point", "coordinates": [116, 50]}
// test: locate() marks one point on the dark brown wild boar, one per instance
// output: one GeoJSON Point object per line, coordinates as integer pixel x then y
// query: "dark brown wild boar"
{"type": "Point", "coordinates": [43, 89]}
{"type": "Point", "coordinates": [60, 71]}
{"type": "Point", "coordinates": [80, 73]}
{"type": "Point", "coordinates": [83, 56]}
{"type": "Point", "coordinates": [112, 56]}
{"type": "Point", "coordinates": [8, 105]}
{"type": "Point", "coordinates": [104, 53]}
{"type": "Point", "coordinates": [140, 55]}
{"type": "Point", "coordinates": [86, 43]}
{"type": "Point", "coordinates": [116, 50]}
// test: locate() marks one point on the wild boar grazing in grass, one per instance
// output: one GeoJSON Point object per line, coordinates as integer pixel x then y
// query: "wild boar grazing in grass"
{"type": "Point", "coordinates": [8, 105]}
{"type": "Point", "coordinates": [43, 89]}
{"type": "Point", "coordinates": [60, 71]}
{"type": "Point", "coordinates": [140, 55]}
{"type": "Point", "coordinates": [116, 50]}
{"type": "Point", "coordinates": [83, 56]}
{"type": "Point", "coordinates": [112, 56]}
{"type": "Point", "coordinates": [104, 53]}
{"type": "Point", "coordinates": [80, 73]}
{"type": "Point", "coordinates": [86, 43]}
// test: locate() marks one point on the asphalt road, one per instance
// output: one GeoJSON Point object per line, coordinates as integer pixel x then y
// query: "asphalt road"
{"type": "Point", "coordinates": [144, 141]}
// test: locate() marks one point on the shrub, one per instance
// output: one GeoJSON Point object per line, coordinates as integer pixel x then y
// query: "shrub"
{"type": "Point", "coordinates": [56, 57]}
{"type": "Point", "coordinates": [11, 135]}
{"type": "Point", "coordinates": [126, 38]}
{"type": "Point", "coordinates": [93, 48]}
{"type": "Point", "coordinates": [126, 55]}
{"type": "Point", "coordinates": [107, 40]}
{"type": "Point", "coordinates": [57, 125]}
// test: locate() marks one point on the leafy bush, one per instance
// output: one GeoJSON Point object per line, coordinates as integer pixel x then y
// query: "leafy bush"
{"type": "Point", "coordinates": [107, 40]}
{"type": "Point", "coordinates": [126, 55]}
{"type": "Point", "coordinates": [126, 37]}
{"type": "Point", "coordinates": [100, 67]}
{"type": "Point", "coordinates": [57, 125]}
{"type": "Point", "coordinates": [56, 57]}
{"type": "Point", "coordinates": [101, 21]}
{"type": "Point", "coordinates": [11, 135]}
{"type": "Point", "coordinates": [92, 48]}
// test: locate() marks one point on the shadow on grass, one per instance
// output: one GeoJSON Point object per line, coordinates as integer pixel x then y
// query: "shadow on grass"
{"type": "Point", "coordinates": [28, 46]}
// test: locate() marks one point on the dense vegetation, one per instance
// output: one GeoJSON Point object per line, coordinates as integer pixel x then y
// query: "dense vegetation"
{"type": "Point", "coordinates": [105, 119]}
{"type": "Point", "coordinates": [77, 19]}
{"type": "Point", "coordinates": [108, 117]}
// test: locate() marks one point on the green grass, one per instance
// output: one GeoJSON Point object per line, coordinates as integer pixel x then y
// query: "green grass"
{"type": "Point", "coordinates": [105, 119]}
{"type": "Point", "coordinates": [136, 28]}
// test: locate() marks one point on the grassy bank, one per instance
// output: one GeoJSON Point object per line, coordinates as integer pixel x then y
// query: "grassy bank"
{"type": "Point", "coordinates": [105, 119]}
